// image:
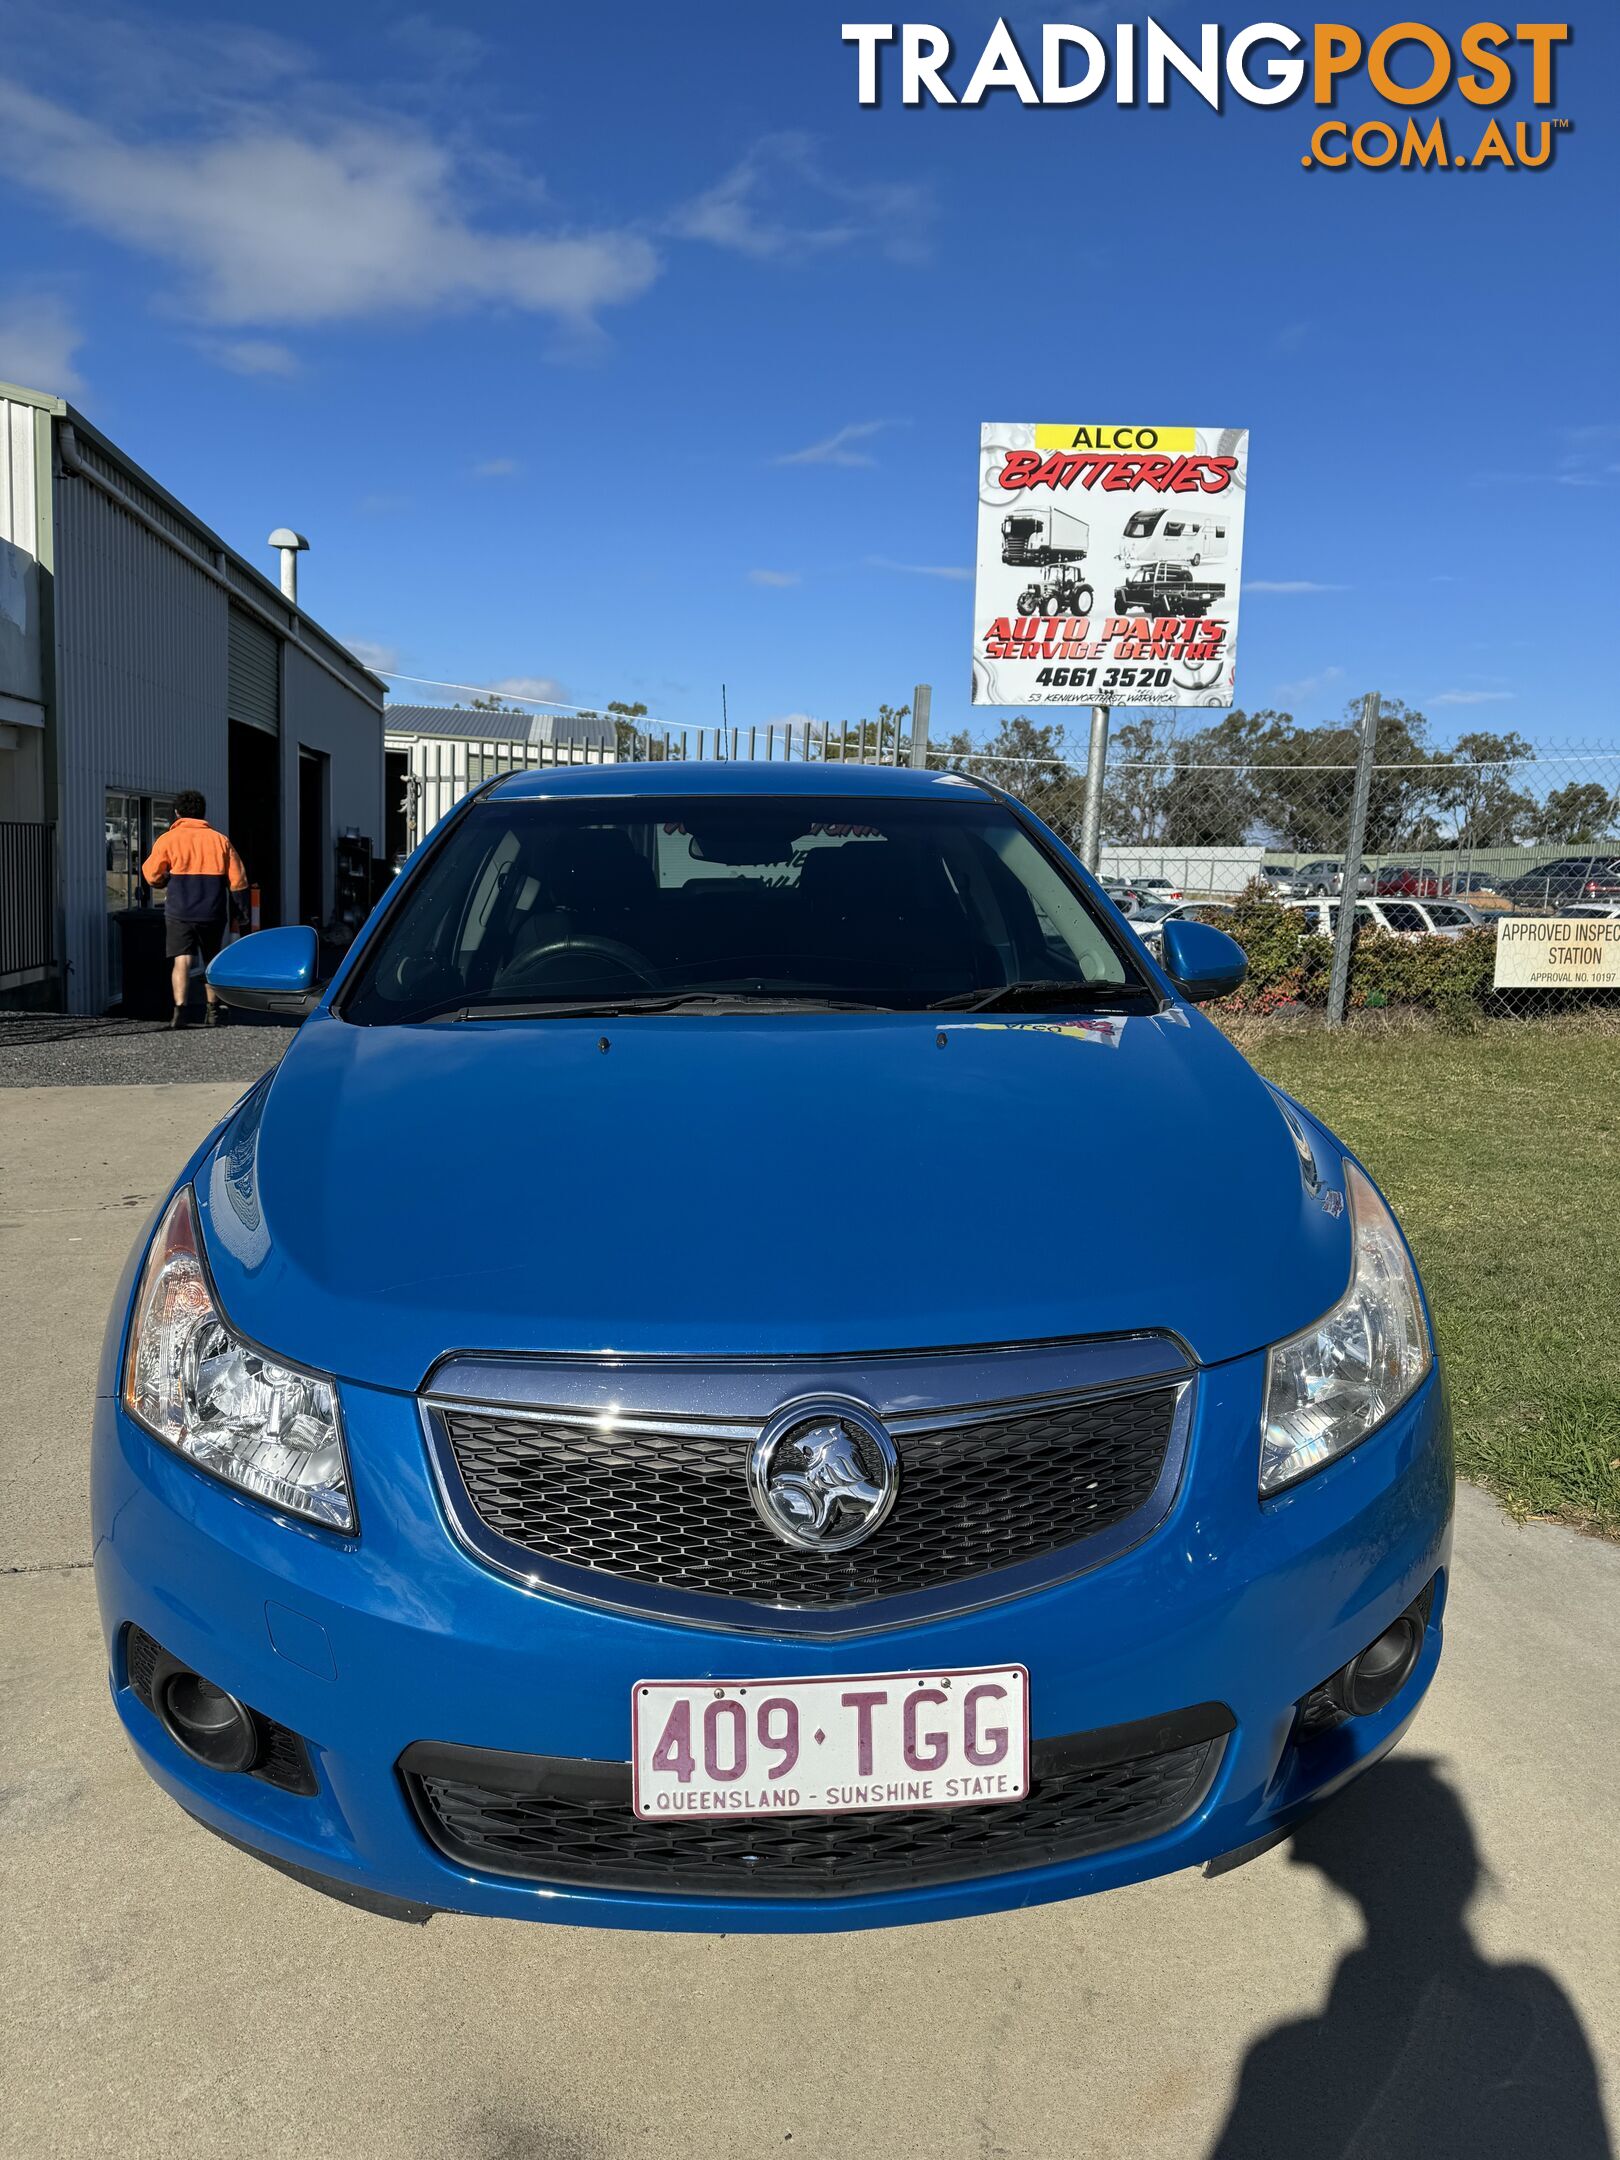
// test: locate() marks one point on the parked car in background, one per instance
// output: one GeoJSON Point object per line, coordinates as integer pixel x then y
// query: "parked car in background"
{"type": "Point", "coordinates": [1401, 918]}
{"type": "Point", "coordinates": [1125, 896]}
{"type": "Point", "coordinates": [1149, 920]}
{"type": "Point", "coordinates": [736, 1517]}
{"type": "Point", "coordinates": [1412, 880]}
{"type": "Point", "coordinates": [1158, 889]}
{"type": "Point", "coordinates": [1280, 880]}
{"type": "Point", "coordinates": [1572, 877]}
{"type": "Point", "coordinates": [1594, 910]}
{"type": "Point", "coordinates": [1318, 877]}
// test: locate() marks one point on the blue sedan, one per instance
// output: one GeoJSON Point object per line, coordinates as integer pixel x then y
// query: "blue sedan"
{"type": "Point", "coordinates": [648, 1416]}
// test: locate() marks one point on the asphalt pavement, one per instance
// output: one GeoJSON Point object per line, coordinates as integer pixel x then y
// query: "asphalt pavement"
{"type": "Point", "coordinates": [1429, 1969]}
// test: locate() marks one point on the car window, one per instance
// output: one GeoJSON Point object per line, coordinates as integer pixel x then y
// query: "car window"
{"type": "Point", "coordinates": [896, 902]}
{"type": "Point", "coordinates": [1401, 915]}
{"type": "Point", "coordinates": [1449, 918]}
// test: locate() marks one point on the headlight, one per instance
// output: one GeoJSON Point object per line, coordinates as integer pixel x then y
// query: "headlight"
{"type": "Point", "coordinates": [1330, 1385]}
{"type": "Point", "coordinates": [225, 1405]}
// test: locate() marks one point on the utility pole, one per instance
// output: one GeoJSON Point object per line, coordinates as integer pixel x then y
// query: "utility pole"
{"type": "Point", "coordinates": [1355, 840]}
{"type": "Point", "coordinates": [1096, 766]}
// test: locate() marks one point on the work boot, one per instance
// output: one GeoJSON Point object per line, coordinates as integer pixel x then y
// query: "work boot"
{"type": "Point", "coordinates": [178, 1017]}
{"type": "Point", "coordinates": [215, 1013]}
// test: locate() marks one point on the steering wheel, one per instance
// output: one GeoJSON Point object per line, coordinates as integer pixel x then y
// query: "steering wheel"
{"type": "Point", "coordinates": [624, 957]}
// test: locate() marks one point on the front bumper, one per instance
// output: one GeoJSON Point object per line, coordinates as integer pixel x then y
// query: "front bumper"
{"type": "Point", "coordinates": [371, 1646]}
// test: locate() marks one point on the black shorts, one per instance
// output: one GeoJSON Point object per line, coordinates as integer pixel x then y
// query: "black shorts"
{"type": "Point", "coordinates": [192, 940]}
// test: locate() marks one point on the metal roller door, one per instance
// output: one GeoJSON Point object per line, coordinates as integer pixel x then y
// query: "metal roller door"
{"type": "Point", "coordinates": [255, 674]}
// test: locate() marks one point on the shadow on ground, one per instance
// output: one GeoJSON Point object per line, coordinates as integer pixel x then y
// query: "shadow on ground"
{"type": "Point", "coordinates": [1425, 2049]}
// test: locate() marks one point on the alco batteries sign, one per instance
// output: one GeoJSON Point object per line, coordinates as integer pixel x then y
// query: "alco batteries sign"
{"type": "Point", "coordinates": [1108, 565]}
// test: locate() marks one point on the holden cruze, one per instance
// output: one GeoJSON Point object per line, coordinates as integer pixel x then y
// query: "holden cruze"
{"type": "Point", "coordinates": [759, 1364]}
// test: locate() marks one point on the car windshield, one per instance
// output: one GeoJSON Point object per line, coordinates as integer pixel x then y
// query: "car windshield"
{"type": "Point", "coordinates": [708, 902]}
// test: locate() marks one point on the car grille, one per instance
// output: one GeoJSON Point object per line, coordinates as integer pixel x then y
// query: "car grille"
{"type": "Point", "coordinates": [669, 1506]}
{"type": "Point", "coordinates": [574, 1822]}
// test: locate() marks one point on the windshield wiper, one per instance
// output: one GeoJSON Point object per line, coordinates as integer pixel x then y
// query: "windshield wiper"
{"type": "Point", "coordinates": [1051, 992]}
{"type": "Point", "coordinates": [728, 1001]}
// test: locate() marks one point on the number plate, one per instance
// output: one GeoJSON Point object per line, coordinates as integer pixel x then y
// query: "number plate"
{"type": "Point", "coordinates": [824, 1747]}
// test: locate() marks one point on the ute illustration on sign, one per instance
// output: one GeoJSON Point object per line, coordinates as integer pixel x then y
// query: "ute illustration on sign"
{"type": "Point", "coordinates": [1149, 517]}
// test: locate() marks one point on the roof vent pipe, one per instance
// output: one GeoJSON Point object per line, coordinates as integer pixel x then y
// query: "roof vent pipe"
{"type": "Point", "coordinates": [292, 545]}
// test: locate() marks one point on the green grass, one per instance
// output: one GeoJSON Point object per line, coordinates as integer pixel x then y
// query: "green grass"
{"type": "Point", "coordinates": [1500, 1152]}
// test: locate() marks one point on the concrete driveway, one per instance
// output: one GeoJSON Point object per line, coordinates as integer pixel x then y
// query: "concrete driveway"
{"type": "Point", "coordinates": [1430, 1969]}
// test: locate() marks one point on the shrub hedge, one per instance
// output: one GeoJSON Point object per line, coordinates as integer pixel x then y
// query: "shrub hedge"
{"type": "Point", "coordinates": [1289, 964]}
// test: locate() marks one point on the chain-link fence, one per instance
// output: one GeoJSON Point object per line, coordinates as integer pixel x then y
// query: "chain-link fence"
{"type": "Point", "coordinates": [1489, 871]}
{"type": "Point", "coordinates": [1489, 875]}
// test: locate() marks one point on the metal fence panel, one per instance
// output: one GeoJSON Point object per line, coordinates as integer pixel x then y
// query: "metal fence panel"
{"type": "Point", "coordinates": [27, 897]}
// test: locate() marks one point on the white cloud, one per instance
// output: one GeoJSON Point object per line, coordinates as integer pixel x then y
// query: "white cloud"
{"type": "Point", "coordinates": [773, 577]}
{"type": "Point", "coordinates": [1289, 585]}
{"type": "Point", "coordinates": [290, 215]}
{"type": "Point", "coordinates": [252, 356]}
{"type": "Point", "coordinates": [781, 201]}
{"type": "Point", "coordinates": [38, 339]}
{"type": "Point", "coordinates": [540, 689]}
{"type": "Point", "coordinates": [1309, 686]}
{"type": "Point", "coordinates": [495, 468]}
{"type": "Point", "coordinates": [381, 659]}
{"type": "Point", "coordinates": [1471, 697]}
{"type": "Point", "coordinates": [840, 448]}
{"type": "Point", "coordinates": [917, 569]}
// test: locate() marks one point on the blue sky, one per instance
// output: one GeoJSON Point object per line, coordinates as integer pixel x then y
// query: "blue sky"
{"type": "Point", "coordinates": [618, 352]}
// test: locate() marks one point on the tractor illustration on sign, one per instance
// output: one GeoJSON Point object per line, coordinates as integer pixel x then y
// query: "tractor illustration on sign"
{"type": "Point", "coordinates": [1051, 547]}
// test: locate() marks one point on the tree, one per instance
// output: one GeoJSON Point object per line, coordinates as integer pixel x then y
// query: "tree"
{"type": "Point", "coordinates": [1031, 761]}
{"type": "Point", "coordinates": [1582, 811]}
{"type": "Point", "coordinates": [491, 704]}
{"type": "Point", "coordinates": [1474, 790]}
{"type": "Point", "coordinates": [1134, 793]}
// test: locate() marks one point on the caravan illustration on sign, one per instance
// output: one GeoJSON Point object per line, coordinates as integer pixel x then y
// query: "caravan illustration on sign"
{"type": "Point", "coordinates": [1109, 564]}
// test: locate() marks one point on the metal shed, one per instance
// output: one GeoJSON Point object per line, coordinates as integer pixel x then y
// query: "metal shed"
{"type": "Point", "coordinates": [436, 754]}
{"type": "Point", "coordinates": [140, 655]}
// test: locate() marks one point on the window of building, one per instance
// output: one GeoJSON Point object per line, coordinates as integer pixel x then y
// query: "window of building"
{"type": "Point", "coordinates": [133, 823]}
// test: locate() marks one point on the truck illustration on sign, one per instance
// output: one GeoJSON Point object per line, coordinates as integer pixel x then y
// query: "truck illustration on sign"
{"type": "Point", "coordinates": [1052, 546]}
{"type": "Point", "coordinates": [1164, 588]}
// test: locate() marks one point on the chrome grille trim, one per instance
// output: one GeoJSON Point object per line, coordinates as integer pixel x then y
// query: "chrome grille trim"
{"type": "Point", "coordinates": [914, 1394]}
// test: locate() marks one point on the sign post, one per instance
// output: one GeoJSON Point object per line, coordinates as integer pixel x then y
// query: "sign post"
{"type": "Point", "coordinates": [1096, 767]}
{"type": "Point", "coordinates": [1350, 882]}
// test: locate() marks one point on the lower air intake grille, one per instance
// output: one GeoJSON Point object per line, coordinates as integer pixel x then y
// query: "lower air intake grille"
{"type": "Point", "coordinates": [559, 1821]}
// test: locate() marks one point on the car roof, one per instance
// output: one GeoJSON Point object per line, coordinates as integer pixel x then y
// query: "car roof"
{"type": "Point", "coordinates": [720, 776]}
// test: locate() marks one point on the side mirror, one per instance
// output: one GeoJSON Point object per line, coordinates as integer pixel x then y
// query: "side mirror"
{"type": "Point", "coordinates": [272, 971]}
{"type": "Point", "coordinates": [1202, 962]}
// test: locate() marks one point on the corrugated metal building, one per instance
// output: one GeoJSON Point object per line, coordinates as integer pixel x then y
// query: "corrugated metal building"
{"type": "Point", "coordinates": [140, 655]}
{"type": "Point", "coordinates": [439, 753]}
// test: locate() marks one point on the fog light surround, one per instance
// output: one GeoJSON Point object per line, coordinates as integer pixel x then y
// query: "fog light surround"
{"type": "Point", "coordinates": [206, 1721]}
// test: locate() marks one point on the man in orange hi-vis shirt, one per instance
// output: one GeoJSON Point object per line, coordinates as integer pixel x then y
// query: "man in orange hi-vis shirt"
{"type": "Point", "coordinates": [200, 872]}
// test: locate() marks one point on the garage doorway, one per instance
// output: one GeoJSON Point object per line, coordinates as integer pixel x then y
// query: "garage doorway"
{"type": "Point", "coordinates": [253, 814]}
{"type": "Point", "coordinates": [314, 848]}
